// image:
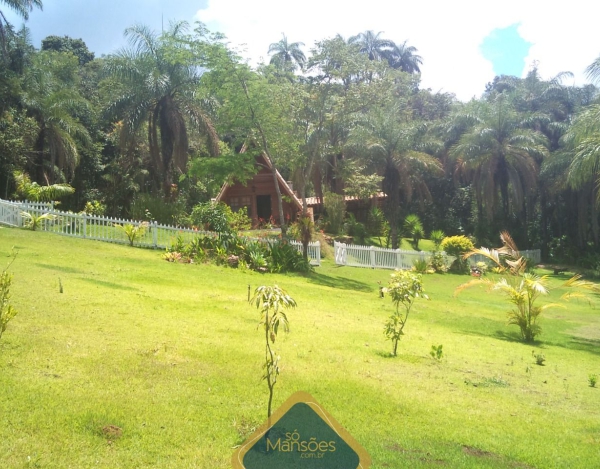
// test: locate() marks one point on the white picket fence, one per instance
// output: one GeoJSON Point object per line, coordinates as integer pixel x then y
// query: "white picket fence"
{"type": "Point", "coordinates": [98, 228]}
{"type": "Point", "coordinates": [369, 256]}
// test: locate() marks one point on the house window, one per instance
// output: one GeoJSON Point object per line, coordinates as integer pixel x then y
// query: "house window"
{"type": "Point", "coordinates": [239, 203]}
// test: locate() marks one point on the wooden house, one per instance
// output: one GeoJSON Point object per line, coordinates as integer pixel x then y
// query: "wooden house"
{"type": "Point", "coordinates": [258, 196]}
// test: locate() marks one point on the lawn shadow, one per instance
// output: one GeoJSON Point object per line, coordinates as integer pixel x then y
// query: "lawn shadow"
{"type": "Point", "coordinates": [340, 282]}
{"type": "Point", "coordinates": [112, 286]}
{"type": "Point", "coordinates": [572, 343]}
{"type": "Point", "coordinates": [63, 269]}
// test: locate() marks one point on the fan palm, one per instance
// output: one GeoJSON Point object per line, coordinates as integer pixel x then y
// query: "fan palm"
{"type": "Point", "coordinates": [287, 55]}
{"type": "Point", "coordinates": [158, 89]}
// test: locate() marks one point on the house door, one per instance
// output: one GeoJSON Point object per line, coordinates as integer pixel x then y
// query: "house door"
{"type": "Point", "coordinates": [263, 207]}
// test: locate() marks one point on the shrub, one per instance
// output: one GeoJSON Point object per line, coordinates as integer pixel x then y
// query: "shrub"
{"type": "Point", "coordinates": [376, 223]}
{"type": "Point", "coordinates": [219, 217]}
{"type": "Point", "coordinates": [155, 208]}
{"type": "Point", "coordinates": [439, 262]}
{"type": "Point", "coordinates": [420, 266]}
{"type": "Point", "coordinates": [355, 229]}
{"type": "Point", "coordinates": [238, 221]}
{"type": "Point", "coordinates": [457, 246]}
{"type": "Point", "coordinates": [335, 208]}
{"type": "Point", "coordinates": [283, 257]}
{"type": "Point", "coordinates": [211, 217]}
{"type": "Point", "coordinates": [94, 208]}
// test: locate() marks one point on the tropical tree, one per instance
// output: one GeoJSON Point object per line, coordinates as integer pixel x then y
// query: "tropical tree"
{"type": "Point", "coordinates": [158, 77]}
{"type": "Point", "coordinates": [67, 44]}
{"type": "Point", "coordinates": [593, 70]}
{"type": "Point", "coordinates": [394, 147]}
{"type": "Point", "coordinates": [287, 55]}
{"type": "Point", "coordinates": [497, 154]}
{"type": "Point", "coordinates": [404, 57]}
{"type": "Point", "coordinates": [374, 46]}
{"type": "Point", "coordinates": [582, 142]}
{"type": "Point", "coordinates": [21, 8]}
{"type": "Point", "coordinates": [51, 98]}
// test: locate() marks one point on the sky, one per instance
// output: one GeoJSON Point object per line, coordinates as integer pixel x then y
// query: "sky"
{"type": "Point", "coordinates": [463, 43]}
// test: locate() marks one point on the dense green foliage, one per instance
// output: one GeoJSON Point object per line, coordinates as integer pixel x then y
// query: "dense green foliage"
{"type": "Point", "coordinates": [177, 113]}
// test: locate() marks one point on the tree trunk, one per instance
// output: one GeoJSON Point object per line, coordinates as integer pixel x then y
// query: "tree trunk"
{"type": "Point", "coordinates": [279, 199]}
{"type": "Point", "coordinates": [391, 186]}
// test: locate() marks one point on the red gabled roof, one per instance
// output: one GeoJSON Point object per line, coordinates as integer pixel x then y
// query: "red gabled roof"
{"type": "Point", "coordinates": [286, 188]}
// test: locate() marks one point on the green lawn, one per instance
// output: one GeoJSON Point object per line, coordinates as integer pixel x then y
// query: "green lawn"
{"type": "Point", "coordinates": [144, 363]}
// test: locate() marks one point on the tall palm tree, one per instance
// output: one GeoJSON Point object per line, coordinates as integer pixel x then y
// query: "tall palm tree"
{"type": "Point", "coordinates": [404, 57]}
{"type": "Point", "coordinates": [22, 8]}
{"type": "Point", "coordinates": [50, 96]}
{"type": "Point", "coordinates": [498, 155]}
{"type": "Point", "coordinates": [394, 150]}
{"type": "Point", "coordinates": [158, 90]}
{"type": "Point", "coordinates": [287, 55]}
{"type": "Point", "coordinates": [582, 141]}
{"type": "Point", "coordinates": [373, 45]}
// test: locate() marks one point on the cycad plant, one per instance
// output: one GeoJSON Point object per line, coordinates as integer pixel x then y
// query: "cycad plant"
{"type": "Point", "coordinates": [414, 228]}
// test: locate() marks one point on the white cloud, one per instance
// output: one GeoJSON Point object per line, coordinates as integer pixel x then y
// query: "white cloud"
{"type": "Point", "coordinates": [447, 34]}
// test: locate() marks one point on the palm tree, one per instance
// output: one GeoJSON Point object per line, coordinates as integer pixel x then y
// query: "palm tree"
{"type": "Point", "coordinates": [51, 98]}
{"type": "Point", "coordinates": [372, 45]}
{"type": "Point", "coordinates": [395, 149]}
{"type": "Point", "coordinates": [158, 89]}
{"type": "Point", "coordinates": [582, 141]}
{"type": "Point", "coordinates": [403, 57]}
{"type": "Point", "coordinates": [22, 8]}
{"type": "Point", "coordinates": [593, 70]}
{"type": "Point", "coordinates": [287, 55]}
{"type": "Point", "coordinates": [498, 155]}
